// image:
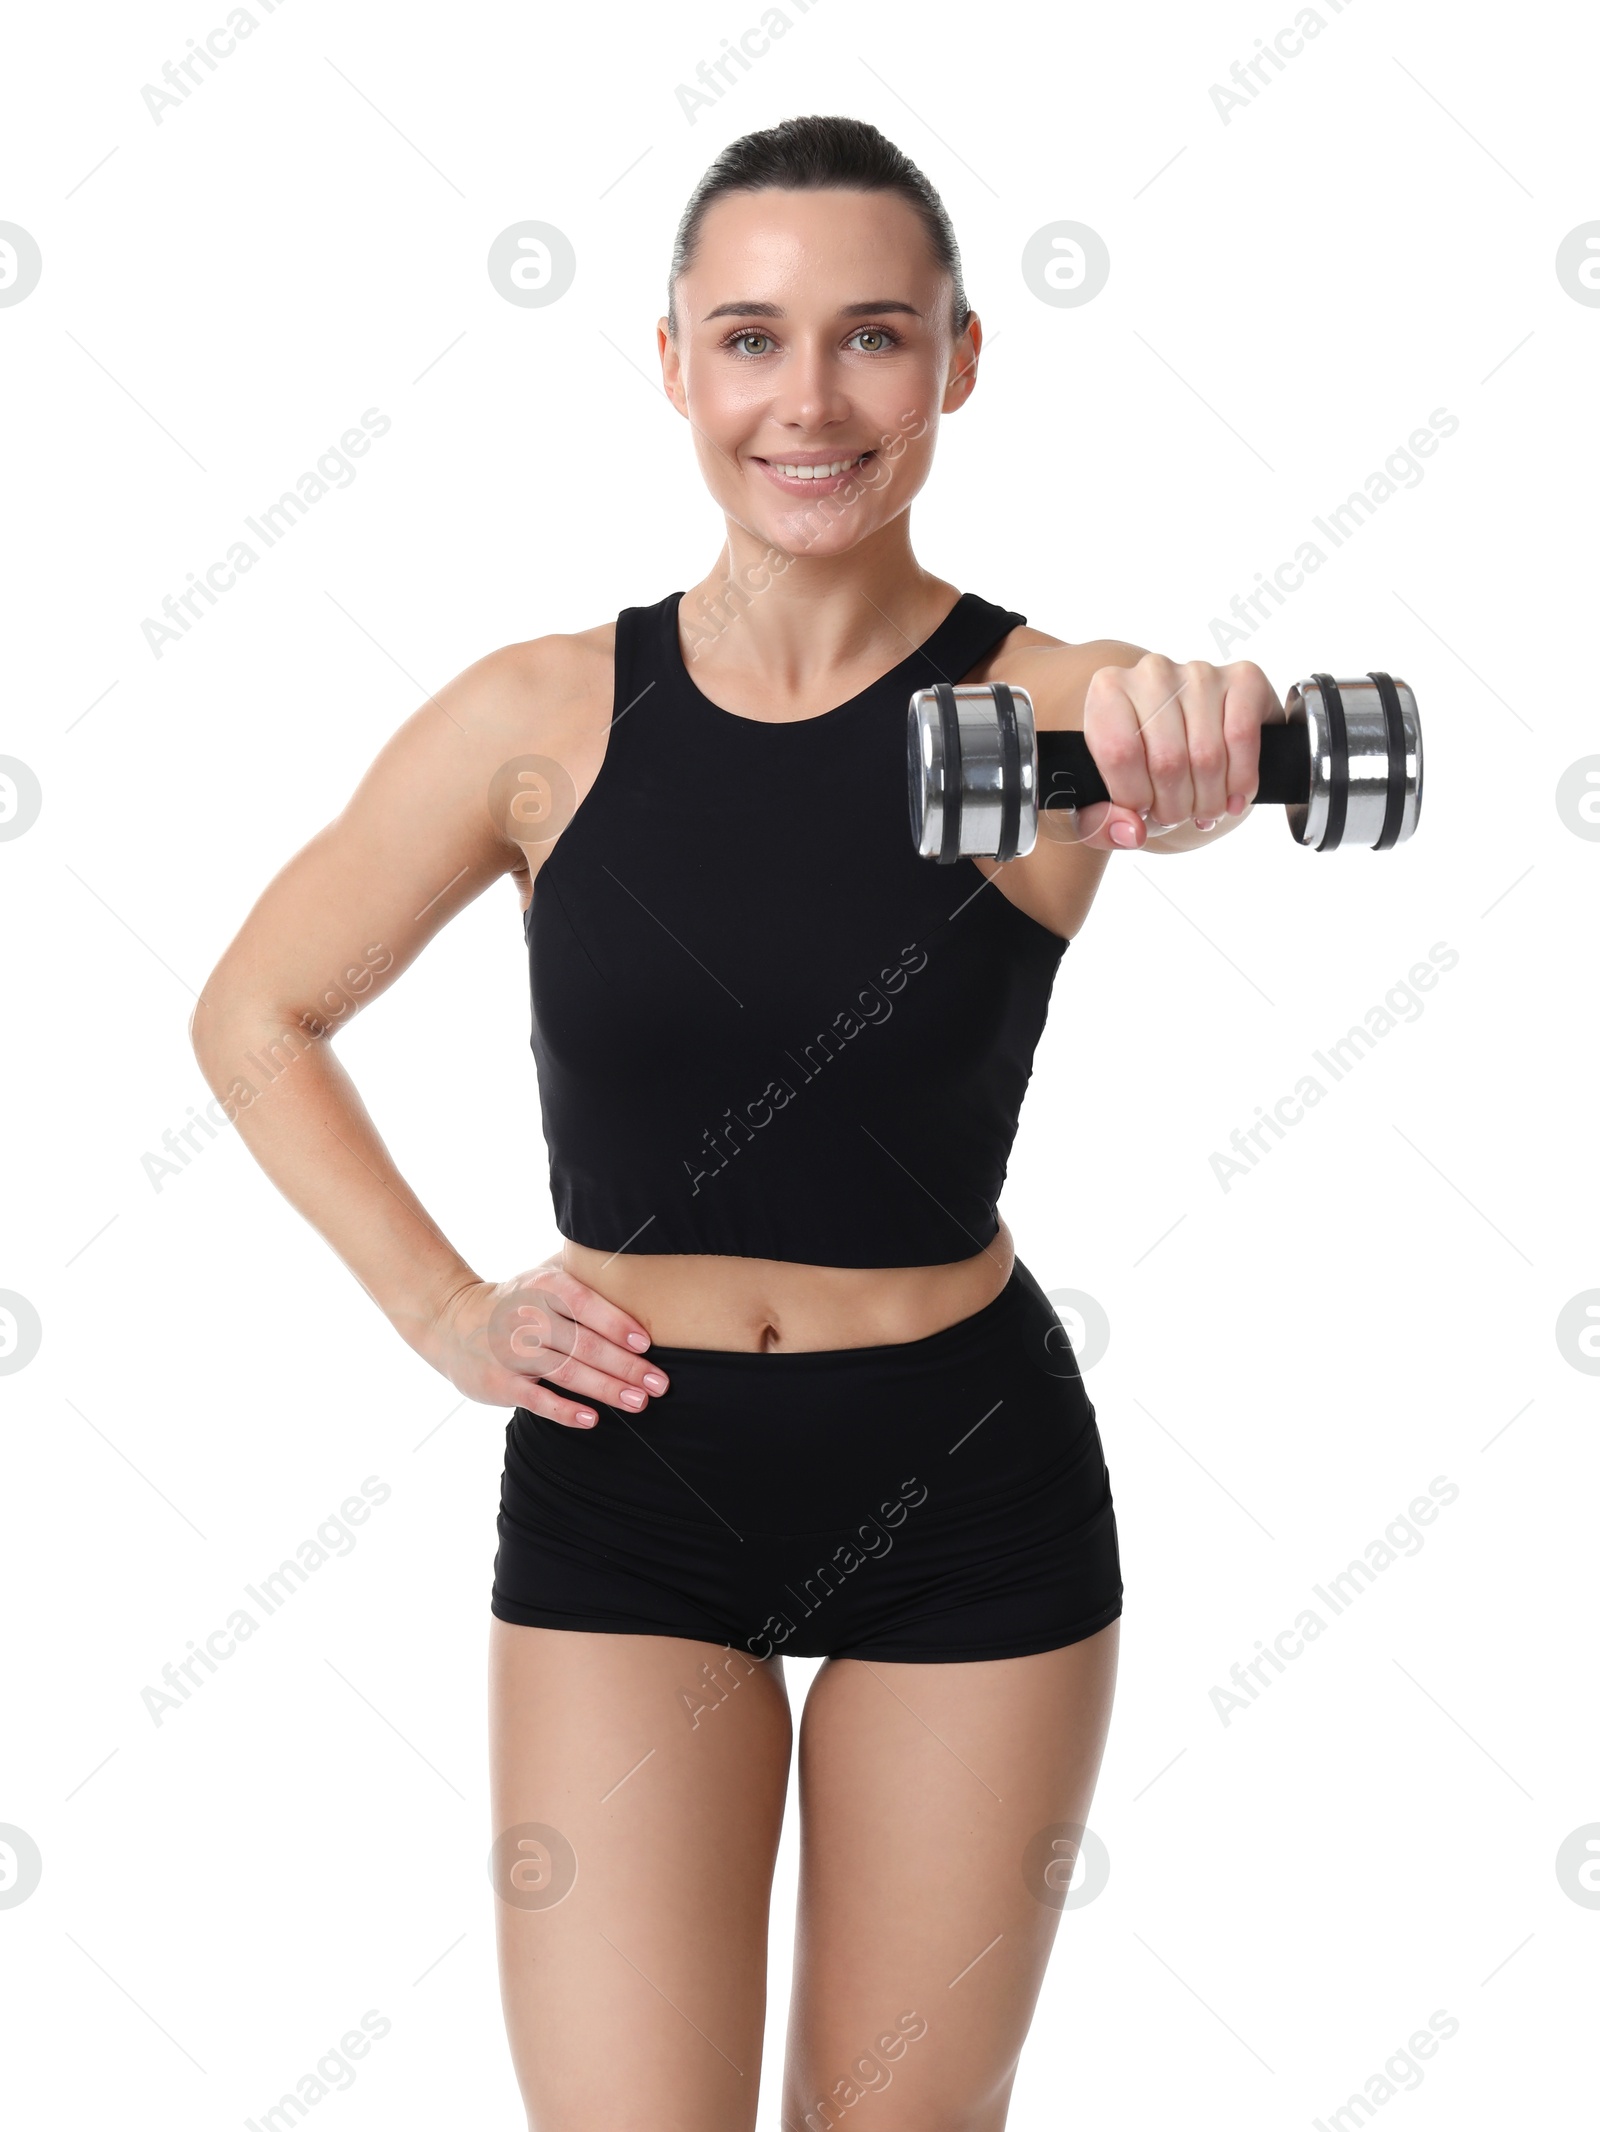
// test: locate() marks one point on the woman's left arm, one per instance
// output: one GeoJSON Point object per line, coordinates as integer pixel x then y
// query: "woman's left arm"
{"type": "Point", "coordinates": [1176, 745]}
{"type": "Point", "coordinates": [1178, 748]}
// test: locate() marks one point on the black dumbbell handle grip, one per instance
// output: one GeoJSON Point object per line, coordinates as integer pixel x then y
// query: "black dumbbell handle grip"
{"type": "Point", "coordinates": [1068, 777]}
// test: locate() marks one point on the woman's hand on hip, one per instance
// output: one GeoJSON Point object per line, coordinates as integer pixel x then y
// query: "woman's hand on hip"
{"type": "Point", "coordinates": [1174, 743]}
{"type": "Point", "coordinates": [543, 1334]}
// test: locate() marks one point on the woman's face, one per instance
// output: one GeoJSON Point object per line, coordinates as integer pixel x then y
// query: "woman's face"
{"type": "Point", "coordinates": [814, 331]}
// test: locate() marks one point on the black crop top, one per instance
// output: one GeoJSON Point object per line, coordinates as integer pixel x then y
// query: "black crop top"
{"type": "Point", "coordinates": [762, 1025]}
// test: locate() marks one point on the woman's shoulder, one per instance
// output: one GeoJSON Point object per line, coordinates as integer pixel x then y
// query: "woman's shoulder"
{"type": "Point", "coordinates": [562, 662]}
{"type": "Point", "coordinates": [526, 722]}
{"type": "Point", "coordinates": [549, 687]}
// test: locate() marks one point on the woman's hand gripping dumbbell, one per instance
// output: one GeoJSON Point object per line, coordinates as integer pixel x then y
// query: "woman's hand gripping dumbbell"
{"type": "Point", "coordinates": [1344, 758]}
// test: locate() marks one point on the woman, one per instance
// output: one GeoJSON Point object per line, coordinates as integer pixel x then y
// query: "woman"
{"type": "Point", "coordinates": [785, 1387]}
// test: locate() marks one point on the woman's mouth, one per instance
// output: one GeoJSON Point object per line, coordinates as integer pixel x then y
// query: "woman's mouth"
{"type": "Point", "coordinates": [813, 476]}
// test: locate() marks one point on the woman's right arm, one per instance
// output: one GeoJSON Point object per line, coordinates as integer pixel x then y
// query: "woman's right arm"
{"type": "Point", "coordinates": [348, 914]}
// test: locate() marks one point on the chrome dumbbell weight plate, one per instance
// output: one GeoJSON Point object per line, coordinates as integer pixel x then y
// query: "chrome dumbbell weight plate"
{"type": "Point", "coordinates": [1364, 742]}
{"type": "Point", "coordinates": [1346, 766]}
{"type": "Point", "coordinates": [972, 762]}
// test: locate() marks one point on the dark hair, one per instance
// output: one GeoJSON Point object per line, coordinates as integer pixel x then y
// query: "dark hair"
{"type": "Point", "coordinates": [814, 155]}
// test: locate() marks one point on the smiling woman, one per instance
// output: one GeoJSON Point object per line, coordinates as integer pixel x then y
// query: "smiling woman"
{"type": "Point", "coordinates": [762, 1340]}
{"type": "Point", "coordinates": [716, 607]}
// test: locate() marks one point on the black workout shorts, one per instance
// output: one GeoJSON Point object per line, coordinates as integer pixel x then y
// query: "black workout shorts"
{"type": "Point", "coordinates": [927, 1500]}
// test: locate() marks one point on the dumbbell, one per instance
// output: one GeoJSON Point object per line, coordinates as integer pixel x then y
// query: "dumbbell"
{"type": "Point", "coordinates": [1346, 767]}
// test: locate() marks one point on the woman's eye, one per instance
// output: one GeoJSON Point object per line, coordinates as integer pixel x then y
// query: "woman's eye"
{"type": "Point", "coordinates": [739, 340]}
{"type": "Point", "coordinates": [873, 333]}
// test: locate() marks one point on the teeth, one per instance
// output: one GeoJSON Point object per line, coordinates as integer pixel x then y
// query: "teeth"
{"type": "Point", "coordinates": [817, 473]}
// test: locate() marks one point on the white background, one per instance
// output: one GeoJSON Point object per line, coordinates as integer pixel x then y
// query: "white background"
{"type": "Point", "coordinates": [1291, 1361]}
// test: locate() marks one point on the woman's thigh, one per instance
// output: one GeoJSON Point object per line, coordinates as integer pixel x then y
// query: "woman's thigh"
{"type": "Point", "coordinates": [638, 1786]}
{"type": "Point", "coordinates": [930, 1796]}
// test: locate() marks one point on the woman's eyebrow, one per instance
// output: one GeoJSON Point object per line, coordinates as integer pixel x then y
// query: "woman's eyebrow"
{"type": "Point", "coordinates": [763, 310]}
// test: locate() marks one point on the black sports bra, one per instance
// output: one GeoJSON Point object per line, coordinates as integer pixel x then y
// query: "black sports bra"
{"type": "Point", "coordinates": [762, 1025]}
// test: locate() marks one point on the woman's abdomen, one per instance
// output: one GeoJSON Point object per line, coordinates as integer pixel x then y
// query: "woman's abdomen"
{"type": "Point", "coordinates": [775, 1305]}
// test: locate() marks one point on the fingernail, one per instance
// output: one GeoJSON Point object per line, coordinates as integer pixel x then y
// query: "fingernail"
{"type": "Point", "coordinates": [587, 1417]}
{"type": "Point", "coordinates": [654, 1381]}
{"type": "Point", "coordinates": [1210, 822]}
{"type": "Point", "coordinates": [639, 1341]}
{"type": "Point", "coordinates": [1124, 833]}
{"type": "Point", "coordinates": [633, 1399]}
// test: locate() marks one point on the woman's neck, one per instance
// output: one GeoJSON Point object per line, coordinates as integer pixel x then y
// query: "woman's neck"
{"type": "Point", "coordinates": [802, 631]}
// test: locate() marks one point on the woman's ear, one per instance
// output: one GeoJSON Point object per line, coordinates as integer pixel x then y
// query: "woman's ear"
{"type": "Point", "coordinates": [671, 367]}
{"type": "Point", "coordinates": [963, 375]}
